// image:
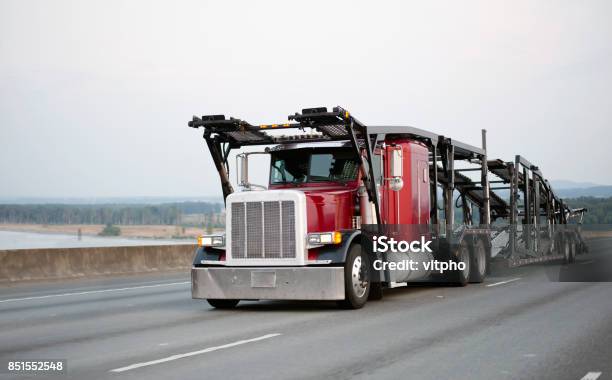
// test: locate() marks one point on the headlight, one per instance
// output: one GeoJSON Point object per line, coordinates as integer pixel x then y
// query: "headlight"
{"type": "Point", "coordinates": [211, 241]}
{"type": "Point", "coordinates": [320, 238]}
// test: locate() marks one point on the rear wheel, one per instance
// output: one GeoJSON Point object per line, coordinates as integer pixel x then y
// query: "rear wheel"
{"type": "Point", "coordinates": [573, 248]}
{"type": "Point", "coordinates": [223, 304]}
{"type": "Point", "coordinates": [479, 263]}
{"type": "Point", "coordinates": [566, 250]}
{"type": "Point", "coordinates": [356, 279]}
{"type": "Point", "coordinates": [460, 277]}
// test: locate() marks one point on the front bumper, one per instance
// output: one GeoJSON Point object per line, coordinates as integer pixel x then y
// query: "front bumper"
{"type": "Point", "coordinates": [273, 283]}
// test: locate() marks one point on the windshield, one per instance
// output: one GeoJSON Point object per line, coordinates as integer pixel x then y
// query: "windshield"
{"type": "Point", "coordinates": [313, 165]}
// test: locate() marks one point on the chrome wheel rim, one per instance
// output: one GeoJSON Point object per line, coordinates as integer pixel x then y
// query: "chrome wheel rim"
{"type": "Point", "coordinates": [359, 277]}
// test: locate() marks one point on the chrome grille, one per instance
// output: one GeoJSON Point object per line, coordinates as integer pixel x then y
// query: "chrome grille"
{"type": "Point", "coordinates": [272, 227]}
{"type": "Point", "coordinates": [263, 230]}
{"type": "Point", "coordinates": [238, 230]}
{"type": "Point", "coordinates": [288, 229]}
{"type": "Point", "coordinates": [254, 227]}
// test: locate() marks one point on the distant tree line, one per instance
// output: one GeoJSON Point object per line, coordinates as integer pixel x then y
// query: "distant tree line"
{"type": "Point", "coordinates": [599, 210]}
{"type": "Point", "coordinates": [168, 213]}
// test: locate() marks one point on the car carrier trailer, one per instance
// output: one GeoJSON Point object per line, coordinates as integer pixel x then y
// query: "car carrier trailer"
{"type": "Point", "coordinates": [335, 183]}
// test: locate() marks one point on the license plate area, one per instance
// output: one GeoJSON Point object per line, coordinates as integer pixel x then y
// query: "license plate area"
{"type": "Point", "coordinates": [263, 279]}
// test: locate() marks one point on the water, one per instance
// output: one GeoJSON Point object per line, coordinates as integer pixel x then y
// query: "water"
{"type": "Point", "coordinates": [25, 240]}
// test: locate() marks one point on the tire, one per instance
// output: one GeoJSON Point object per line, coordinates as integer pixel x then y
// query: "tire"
{"type": "Point", "coordinates": [223, 304]}
{"type": "Point", "coordinates": [573, 248]}
{"type": "Point", "coordinates": [464, 255]}
{"type": "Point", "coordinates": [479, 263]}
{"type": "Point", "coordinates": [356, 279]}
{"type": "Point", "coordinates": [566, 250]}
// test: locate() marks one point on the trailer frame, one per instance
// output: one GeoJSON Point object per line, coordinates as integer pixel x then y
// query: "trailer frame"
{"type": "Point", "coordinates": [539, 201]}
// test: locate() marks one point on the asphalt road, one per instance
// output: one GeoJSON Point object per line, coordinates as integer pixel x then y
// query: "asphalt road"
{"type": "Point", "coordinates": [519, 325]}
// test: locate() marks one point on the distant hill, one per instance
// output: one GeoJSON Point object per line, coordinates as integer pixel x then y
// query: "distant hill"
{"type": "Point", "coordinates": [595, 191]}
{"type": "Point", "coordinates": [567, 184]}
{"type": "Point", "coordinates": [572, 189]}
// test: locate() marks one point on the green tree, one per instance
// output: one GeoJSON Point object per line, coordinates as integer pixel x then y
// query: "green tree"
{"type": "Point", "coordinates": [110, 230]}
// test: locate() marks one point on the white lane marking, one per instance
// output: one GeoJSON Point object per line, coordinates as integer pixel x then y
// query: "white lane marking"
{"type": "Point", "coordinates": [591, 376]}
{"type": "Point", "coordinates": [193, 353]}
{"type": "Point", "coordinates": [503, 282]}
{"type": "Point", "coordinates": [586, 262]}
{"type": "Point", "coordinates": [94, 292]}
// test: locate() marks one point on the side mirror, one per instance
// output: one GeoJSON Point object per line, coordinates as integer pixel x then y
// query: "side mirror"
{"type": "Point", "coordinates": [396, 183]}
{"type": "Point", "coordinates": [396, 170]}
{"type": "Point", "coordinates": [242, 170]}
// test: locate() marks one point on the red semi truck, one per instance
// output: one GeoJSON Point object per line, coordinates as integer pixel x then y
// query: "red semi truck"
{"type": "Point", "coordinates": [335, 183]}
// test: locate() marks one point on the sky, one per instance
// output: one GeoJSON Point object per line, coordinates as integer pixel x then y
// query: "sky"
{"type": "Point", "coordinates": [95, 95]}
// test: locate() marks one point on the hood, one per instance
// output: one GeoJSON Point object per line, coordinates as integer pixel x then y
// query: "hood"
{"type": "Point", "coordinates": [330, 208]}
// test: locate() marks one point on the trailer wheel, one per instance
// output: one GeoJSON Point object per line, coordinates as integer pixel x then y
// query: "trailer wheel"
{"type": "Point", "coordinates": [462, 255]}
{"type": "Point", "coordinates": [479, 263]}
{"type": "Point", "coordinates": [223, 304]}
{"type": "Point", "coordinates": [356, 279]}
{"type": "Point", "coordinates": [566, 250]}
{"type": "Point", "coordinates": [573, 248]}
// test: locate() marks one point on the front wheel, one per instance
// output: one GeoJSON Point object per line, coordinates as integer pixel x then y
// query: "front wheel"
{"type": "Point", "coordinates": [223, 304]}
{"type": "Point", "coordinates": [356, 279]}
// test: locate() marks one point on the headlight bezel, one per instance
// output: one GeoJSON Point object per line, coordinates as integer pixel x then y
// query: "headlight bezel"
{"type": "Point", "coordinates": [211, 240]}
{"type": "Point", "coordinates": [317, 239]}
